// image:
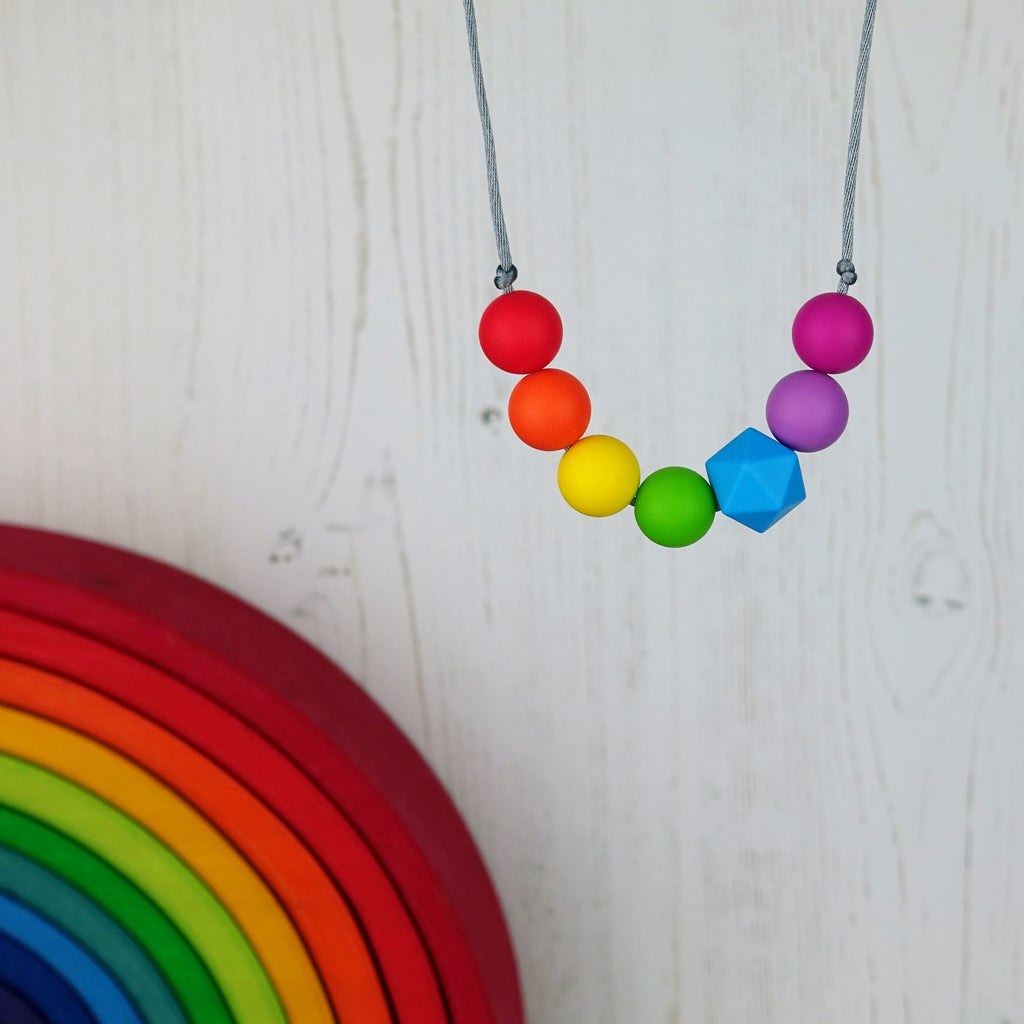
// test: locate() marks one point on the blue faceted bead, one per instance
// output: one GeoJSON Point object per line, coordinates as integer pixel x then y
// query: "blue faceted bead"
{"type": "Point", "coordinates": [755, 479]}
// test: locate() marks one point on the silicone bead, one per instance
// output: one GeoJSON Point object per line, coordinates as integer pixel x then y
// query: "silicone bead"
{"type": "Point", "coordinates": [520, 332]}
{"type": "Point", "coordinates": [675, 507]}
{"type": "Point", "coordinates": [807, 411]}
{"type": "Point", "coordinates": [756, 480]}
{"type": "Point", "coordinates": [832, 332]}
{"type": "Point", "coordinates": [549, 409]}
{"type": "Point", "coordinates": [598, 475]}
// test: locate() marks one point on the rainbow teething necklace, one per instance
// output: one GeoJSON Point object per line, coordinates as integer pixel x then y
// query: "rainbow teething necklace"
{"type": "Point", "coordinates": [755, 479]}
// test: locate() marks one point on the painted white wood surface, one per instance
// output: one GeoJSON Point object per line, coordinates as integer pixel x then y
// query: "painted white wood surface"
{"type": "Point", "coordinates": [244, 248]}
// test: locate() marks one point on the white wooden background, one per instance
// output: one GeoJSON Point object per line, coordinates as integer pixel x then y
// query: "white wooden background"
{"type": "Point", "coordinates": [244, 248]}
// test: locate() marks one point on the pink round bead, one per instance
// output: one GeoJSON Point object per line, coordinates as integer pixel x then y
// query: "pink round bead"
{"type": "Point", "coordinates": [832, 332]}
{"type": "Point", "coordinates": [807, 411]}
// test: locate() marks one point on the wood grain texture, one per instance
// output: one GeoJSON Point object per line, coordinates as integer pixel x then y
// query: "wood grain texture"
{"type": "Point", "coordinates": [245, 247]}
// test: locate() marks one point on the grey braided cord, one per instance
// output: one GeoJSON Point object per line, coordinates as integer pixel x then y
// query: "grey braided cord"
{"type": "Point", "coordinates": [506, 272]}
{"type": "Point", "coordinates": [844, 268]}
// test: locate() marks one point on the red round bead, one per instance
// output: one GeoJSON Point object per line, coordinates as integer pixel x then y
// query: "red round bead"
{"type": "Point", "coordinates": [520, 332]}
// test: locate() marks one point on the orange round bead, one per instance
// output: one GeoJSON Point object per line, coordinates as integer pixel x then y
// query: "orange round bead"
{"type": "Point", "coordinates": [549, 410]}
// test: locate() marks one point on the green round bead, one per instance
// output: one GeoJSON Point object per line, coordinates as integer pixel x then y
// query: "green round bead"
{"type": "Point", "coordinates": [675, 507]}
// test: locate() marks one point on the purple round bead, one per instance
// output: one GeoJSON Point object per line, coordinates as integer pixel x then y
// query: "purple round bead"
{"type": "Point", "coordinates": [807, 411]}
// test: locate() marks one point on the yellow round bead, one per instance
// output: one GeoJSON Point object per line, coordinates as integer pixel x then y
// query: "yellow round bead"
{"type": "Point", "coordinates": [598, 475]}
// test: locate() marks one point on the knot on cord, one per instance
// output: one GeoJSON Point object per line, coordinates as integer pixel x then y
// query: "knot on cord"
{"type": "Point", "coordinates": [847, 273]}
{"type": "Point", "coordinates": [504, 279]}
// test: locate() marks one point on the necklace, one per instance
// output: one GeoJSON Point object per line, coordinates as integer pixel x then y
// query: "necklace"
{"type": "Point", "coordinates": [755, 479]}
